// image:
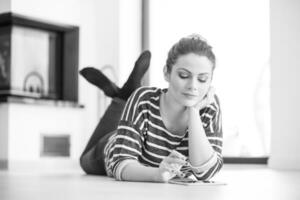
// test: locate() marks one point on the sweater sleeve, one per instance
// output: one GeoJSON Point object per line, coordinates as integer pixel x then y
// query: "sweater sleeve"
{"type": "Point", "coordinates": [212, 123]}
{"type": "Point", "coordinates": [128, 140]}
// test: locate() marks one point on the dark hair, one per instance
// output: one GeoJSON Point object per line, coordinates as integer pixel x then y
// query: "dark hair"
{"type": "Point", "coordinates": [190, 44]}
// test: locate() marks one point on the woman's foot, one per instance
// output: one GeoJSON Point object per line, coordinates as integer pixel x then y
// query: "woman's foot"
{"type": "Point", "coordinates": [97, 78]}
{"type": "Point", "coordinates": [134, 80]}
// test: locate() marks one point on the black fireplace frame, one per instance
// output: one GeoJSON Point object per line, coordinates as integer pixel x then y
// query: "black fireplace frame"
{"type": "Point", "coordinates": [67, 52]}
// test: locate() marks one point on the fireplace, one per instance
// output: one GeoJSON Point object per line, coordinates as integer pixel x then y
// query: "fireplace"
{"type": "Point", "coordinates": [38, 59]}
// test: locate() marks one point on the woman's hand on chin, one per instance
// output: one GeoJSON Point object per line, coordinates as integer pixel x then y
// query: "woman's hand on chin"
{"type": "Point", "coordinates": [207, 99]}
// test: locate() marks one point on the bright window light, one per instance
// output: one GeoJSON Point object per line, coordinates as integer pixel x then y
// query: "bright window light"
{"type": "Point", "coordinates": [239, 33]}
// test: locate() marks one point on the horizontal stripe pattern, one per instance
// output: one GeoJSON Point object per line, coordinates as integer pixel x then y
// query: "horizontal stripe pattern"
{"type": "Point", "coordinates": [142, 136]}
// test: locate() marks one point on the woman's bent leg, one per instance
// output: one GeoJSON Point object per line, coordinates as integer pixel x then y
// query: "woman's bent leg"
{"type": "Point", "coordinates": [91, 158]}
{"type": "Point", "coordinates": [92, 162]}
{"type": "Point", "coordinates": [108, 123]}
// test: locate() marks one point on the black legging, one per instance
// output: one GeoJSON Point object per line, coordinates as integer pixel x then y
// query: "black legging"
{"type": "Point", "coordinates": [92, 158]}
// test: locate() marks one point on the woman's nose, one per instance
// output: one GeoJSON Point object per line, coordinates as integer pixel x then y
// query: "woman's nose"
{"type": "Point", "coordinates": [192, 84]}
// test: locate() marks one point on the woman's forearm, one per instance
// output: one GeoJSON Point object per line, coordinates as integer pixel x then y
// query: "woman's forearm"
{"type": "Point", "coordinates": [200, 150]}
{"type": "Point", "coordinates": [135, 171]}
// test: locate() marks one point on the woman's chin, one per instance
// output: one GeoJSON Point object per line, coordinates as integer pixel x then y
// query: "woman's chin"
{"type": "Point", "coordinates": [189, 103]}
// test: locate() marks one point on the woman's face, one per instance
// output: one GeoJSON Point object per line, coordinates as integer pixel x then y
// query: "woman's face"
{"type": "Point", "coordinates": [189, 79]}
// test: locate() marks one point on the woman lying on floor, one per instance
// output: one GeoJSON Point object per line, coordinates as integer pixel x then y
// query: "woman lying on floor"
{"type": "Point", "coordinates": [154, 134]}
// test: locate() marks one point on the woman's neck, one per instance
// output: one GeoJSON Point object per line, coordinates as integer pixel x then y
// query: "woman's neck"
{"type": "Point", "coordinates": [173, 114]}
{"type": "Point", "coordinates": [172, 105]}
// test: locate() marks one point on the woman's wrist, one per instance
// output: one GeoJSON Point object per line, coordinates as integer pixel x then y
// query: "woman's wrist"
{"type": "Point", "coordinates": [161, 177]}
{"type": "Point", "coordinates": [138, 172]}
{"type": "Point", "coordinates": [193, 114]}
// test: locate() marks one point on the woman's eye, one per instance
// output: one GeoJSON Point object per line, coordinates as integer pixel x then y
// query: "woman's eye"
{"type": "Point", "coordinates": [202, 80]}
{"type": "Point", "coordinates": [183, 75]}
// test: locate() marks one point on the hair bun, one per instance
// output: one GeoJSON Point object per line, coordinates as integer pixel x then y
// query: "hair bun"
{"type": "Point", "coordinates": [196, 36]}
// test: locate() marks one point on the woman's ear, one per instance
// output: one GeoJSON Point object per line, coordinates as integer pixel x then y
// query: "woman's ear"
{"type": "Point", "coordinates": [166, 74]}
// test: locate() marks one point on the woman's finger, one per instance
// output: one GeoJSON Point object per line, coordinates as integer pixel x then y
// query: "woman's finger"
{"type": "Point", "coordinates": [172, 168]}
{"type": "Point", "coordinates": [177, 172]}
{"type": "Point", "coordinates": [176, 154]}
{"type": "Point", "coordinates": [168, 171]}
{"type": "Point", "coordinates": [210, 95]}
{"type": "Point", "coordinates": [172, 160]}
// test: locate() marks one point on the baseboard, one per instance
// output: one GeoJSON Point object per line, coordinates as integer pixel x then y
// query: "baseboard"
{"type": "Point", "coordinates": [3, 164]}
{"type": "Point", "coordinates": [284, 163]}
{"type": "Point", "coordinates": [45, 164]}
{"type": "Point", "coordinates": [245, 160]}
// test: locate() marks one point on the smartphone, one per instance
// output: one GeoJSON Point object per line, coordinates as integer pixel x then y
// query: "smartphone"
{"type": "Point", "coordinates": [189, 181]}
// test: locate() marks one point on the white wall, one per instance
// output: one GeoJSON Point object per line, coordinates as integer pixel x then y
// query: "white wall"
{"type": "Point", "coordinates": [5, 6]}
{"type": "Point", "coordinates": [130, 36]}
{"type": "Point", "coordinates": [285, 91]}
{"type": "Point", "coordinates": [99, 22]}
{"type": "Point", "coordinates": [3, 130]}
{"type": "Point", "coordinates": [240, 40]}
{"type": "Point", "coordinates": [128, 43]}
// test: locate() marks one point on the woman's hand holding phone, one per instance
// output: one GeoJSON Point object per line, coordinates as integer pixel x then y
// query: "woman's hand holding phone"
{"type": "Point", "coordinates": [170, 167]}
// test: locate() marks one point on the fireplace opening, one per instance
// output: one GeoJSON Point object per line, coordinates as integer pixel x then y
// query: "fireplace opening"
{"type": "Point", "coordinates": [38, 59]}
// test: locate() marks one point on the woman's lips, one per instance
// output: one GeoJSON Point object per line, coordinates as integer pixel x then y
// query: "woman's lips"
{"type": "Point", "coordinates": [190, 96]}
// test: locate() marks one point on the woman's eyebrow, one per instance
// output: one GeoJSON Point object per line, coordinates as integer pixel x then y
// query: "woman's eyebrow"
{"type": "Point", "coordinates": [201, 74]}
{"type": "Point", "coordinates": [183, 69]}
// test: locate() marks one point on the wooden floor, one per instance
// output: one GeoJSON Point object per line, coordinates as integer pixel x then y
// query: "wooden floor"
{"type": "Point", "coordinates": [243, 182]}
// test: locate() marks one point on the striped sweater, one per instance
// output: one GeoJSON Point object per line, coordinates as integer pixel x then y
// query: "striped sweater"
{"type": "Point", "coordinates": [142, 135]}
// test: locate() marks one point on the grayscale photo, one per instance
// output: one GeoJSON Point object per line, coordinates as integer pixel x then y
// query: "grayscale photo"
{"type": "Point", "coordinates": [149, 99]}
